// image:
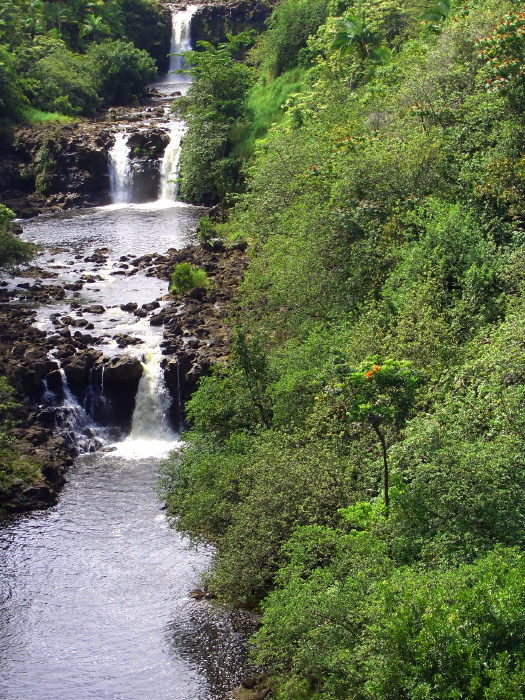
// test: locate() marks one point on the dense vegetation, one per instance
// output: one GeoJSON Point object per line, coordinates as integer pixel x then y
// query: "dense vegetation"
{"type": "Point", "coordinates": [359, 460]}
{"type": "Point", "coordinates": [69, 58]}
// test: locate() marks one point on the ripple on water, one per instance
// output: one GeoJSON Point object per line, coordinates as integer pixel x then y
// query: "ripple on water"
{"type": "Point", "coordinates": [94, 597]}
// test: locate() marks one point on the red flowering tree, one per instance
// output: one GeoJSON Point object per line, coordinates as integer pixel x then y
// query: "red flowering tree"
{"type": "Point", "coordinates": [504, 53]}
{"type": "Point", "coordinates": [376, 394]}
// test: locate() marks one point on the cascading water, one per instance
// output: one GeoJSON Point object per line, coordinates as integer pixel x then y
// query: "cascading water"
{"type": "Point", "coordinates": [94, 592]}
{"type": "Point", "coordinates": [120, 169]}
{"type": "Point", "coordinates": [169, 168]}
{"type": "Point", "coordinates": [151, 432]}
{"type": "Point", "coordinates": [180, 38]}
{"type": "Point", "coordinates": [180, 42]}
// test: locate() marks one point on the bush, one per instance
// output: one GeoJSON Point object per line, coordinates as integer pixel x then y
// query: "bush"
{"type": "Point", "coordinates": [58, 80]}
{"type": "Point", "coordinates": [185, 277]}
{"type": "Point", "coordinates": [147, 25]}
{"type": "Point", "coordinates": [13, 103]}
{"type": "Point", "coordinates": [13, 251]}
{"type": "Point", "coordinates": [121, 72]}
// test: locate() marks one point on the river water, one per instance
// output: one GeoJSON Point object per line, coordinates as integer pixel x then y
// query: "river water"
{"type": "Point", "coordinates": [94, 591]}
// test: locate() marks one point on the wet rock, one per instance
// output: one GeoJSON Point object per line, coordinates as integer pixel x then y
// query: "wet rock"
{"type": "Point", "coordinates": [94, 309]}
{"type": "Point", "coordinates": [77, 369]}
{"type": "Point", "coordinates": [54, 381]}
{"type": "Point", "coordinates": [121, 370]}
{"type": "Point", "coordinates": [130, 306]}
{"type": "Point", "coordinates": [121, 380]}
{"type": "Point", "coordinates": [123, 340]}
{"type": "Point", "coordinates": [151, 306]}
{"type": "Point", "coordinates": [196, 293]}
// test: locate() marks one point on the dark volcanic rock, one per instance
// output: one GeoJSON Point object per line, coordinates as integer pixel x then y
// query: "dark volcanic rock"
{"type": "Point", "coordinates": [121, 380]}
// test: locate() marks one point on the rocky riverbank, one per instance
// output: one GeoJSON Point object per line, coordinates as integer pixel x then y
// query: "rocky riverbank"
{"type": "Point", "coordinates": [196, 329]}
{"type": "Point", "coordinates": [195, 336]}
{"type": "Point", "coordinates": [52, 167]}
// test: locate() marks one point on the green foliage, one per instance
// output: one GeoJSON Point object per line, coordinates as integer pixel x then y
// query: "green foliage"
{"type": "Point", "coordinates": [205, 229]}
{"type": "Point", "coordinates": [213, 107]}
{"type": "Point", "coordinates": [185, 276]}
{"type": "Point", "coordinates": [13, 251]}
{"type": "Point", "coordinates": [503, 52]}
{"type": "Point", "coordinates": [44, 62]}
{"type": "Point", "coordinates": [145, 24]}
{"type": "Point", "coordinates": [13, 104]}
{"type": "Point", "coordinates": [36, 116]}
{"type": "Point", "coordinates": [121, 71]}
{"type": "Point", "coordinates": [290, 25]}
{"type": "Point", "coordinates": [15, 469]}
{"type": "Point", "coordinates": [383, 206]}
{"type": "Point", "coordinates": [58, 80]}
{"type": "Point", "coordinates": [356, 34]}
{"type": "Point", "coordinates": [266, 101]}
{"type": "Point", "coordinates": [361, 629]}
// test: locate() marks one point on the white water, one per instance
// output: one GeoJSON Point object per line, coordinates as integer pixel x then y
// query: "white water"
{"type": "Point", "coordinates": [169, 168]}
{"type": "Point", "coordinates": [151, 434]}
{"type": "Point", "coordinates": [94, 592]}
{"type": "Point", "coordinates": [180, 37]}
{"type": "Point", "coordinates": [120, 169]}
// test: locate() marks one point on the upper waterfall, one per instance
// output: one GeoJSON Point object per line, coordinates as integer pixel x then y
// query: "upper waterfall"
{"type": "Point", "coordinates": [180, 37]}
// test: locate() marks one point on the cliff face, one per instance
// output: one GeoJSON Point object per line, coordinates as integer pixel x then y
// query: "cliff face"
{"type": "Point", "coordinates": [214, 20]}
{"type": "Point", "coordinates": [51, 167]}
{"type": "Point", "coordinates": [61, 166]}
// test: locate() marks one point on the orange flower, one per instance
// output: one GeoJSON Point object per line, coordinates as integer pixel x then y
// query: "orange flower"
{"type": "Point", "coordinates": [369, 374]}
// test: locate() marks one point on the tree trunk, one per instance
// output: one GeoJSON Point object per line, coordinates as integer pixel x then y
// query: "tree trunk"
{"type": "Point", "coordinates": [385, 467]}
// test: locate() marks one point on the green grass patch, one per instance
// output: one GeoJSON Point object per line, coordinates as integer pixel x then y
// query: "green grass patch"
{"type": "Point", "coordinates": [36, 116]}
{"type": "Point", "coordinates": [266, 101]}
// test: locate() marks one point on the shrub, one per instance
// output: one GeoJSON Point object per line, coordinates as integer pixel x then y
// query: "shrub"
{"type": "Point", "coordinates": [185, 277]}
{"type": "Point", "coordinates": [121, 72]}
{"type": "Point", "coordinates": [59, 81]}
{"type": "Point", "coordinates": [12, 250]}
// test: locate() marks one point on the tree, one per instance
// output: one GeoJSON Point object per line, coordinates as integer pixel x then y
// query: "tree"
{"type": "Point", "coordinates": [503, 52]}
{"type": "Point", "coordinates": [121, 72]}
{"type": "Point", "coordinates": [377, 395]}
{"type": "Point", "coordinates": [94, 27]}
{"type": "Point", "coordinates": [357, 34]}
{"type": "Point", "coordinates": [214, 105]}
{"type": "Point", "coordinates": [13, 103]}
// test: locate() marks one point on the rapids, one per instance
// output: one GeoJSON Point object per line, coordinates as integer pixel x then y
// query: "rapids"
{"type": "Point", "coordinates": [94, 592]}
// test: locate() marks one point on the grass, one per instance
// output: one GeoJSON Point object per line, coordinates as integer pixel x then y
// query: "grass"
{"type": "Point", "coordinates": [266, 104]}
{"type": "Point", "coordinates": [36, 116]}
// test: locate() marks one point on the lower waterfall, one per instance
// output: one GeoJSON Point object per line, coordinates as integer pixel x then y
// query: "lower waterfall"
{"type": "Point", "coordinates": [120, 169]}
{"type": "Point", "coordinates": [151, 433]}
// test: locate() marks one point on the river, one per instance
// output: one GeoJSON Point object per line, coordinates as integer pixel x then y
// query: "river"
{"type": "Point", "coordinates": [94, 591]}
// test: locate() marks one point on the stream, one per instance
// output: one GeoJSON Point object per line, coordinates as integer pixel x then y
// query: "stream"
{"type": "Point", "coordinates": [94, 591]}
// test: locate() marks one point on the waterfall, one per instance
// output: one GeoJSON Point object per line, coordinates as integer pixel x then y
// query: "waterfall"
{"type": "Point", "coordinates": [151, 432]}
{"type": "Point", "coordinates": [169, 167]}
{"type": "Point", "coordinates": [180, 37]}
{"type": "Point", "coordinates": [180, 42]}
{"type": "Point", "coordinates": [120, 169]}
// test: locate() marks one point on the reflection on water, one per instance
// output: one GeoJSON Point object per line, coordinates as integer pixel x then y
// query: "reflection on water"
{"type": "Point", "coordinates": [94, 597]}
{"type": "Point", "coordinates": [126, 229]}
{"type": "Point", "coordinates": [94, 592]}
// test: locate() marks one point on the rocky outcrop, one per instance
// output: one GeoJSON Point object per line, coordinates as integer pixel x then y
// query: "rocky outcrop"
{"type": "Point", "coordinates": [54, 167]}
{"type": "Point", "coordinates": [24, 359]}
{"type": "Point", "coordinates": [147, 149]}
{"type": "Point", "coordinates": [214, 20]}
{"type": "Point", "coordinates": [121, 377]}
{"type": "Point", "coordinates": [196, 328]}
